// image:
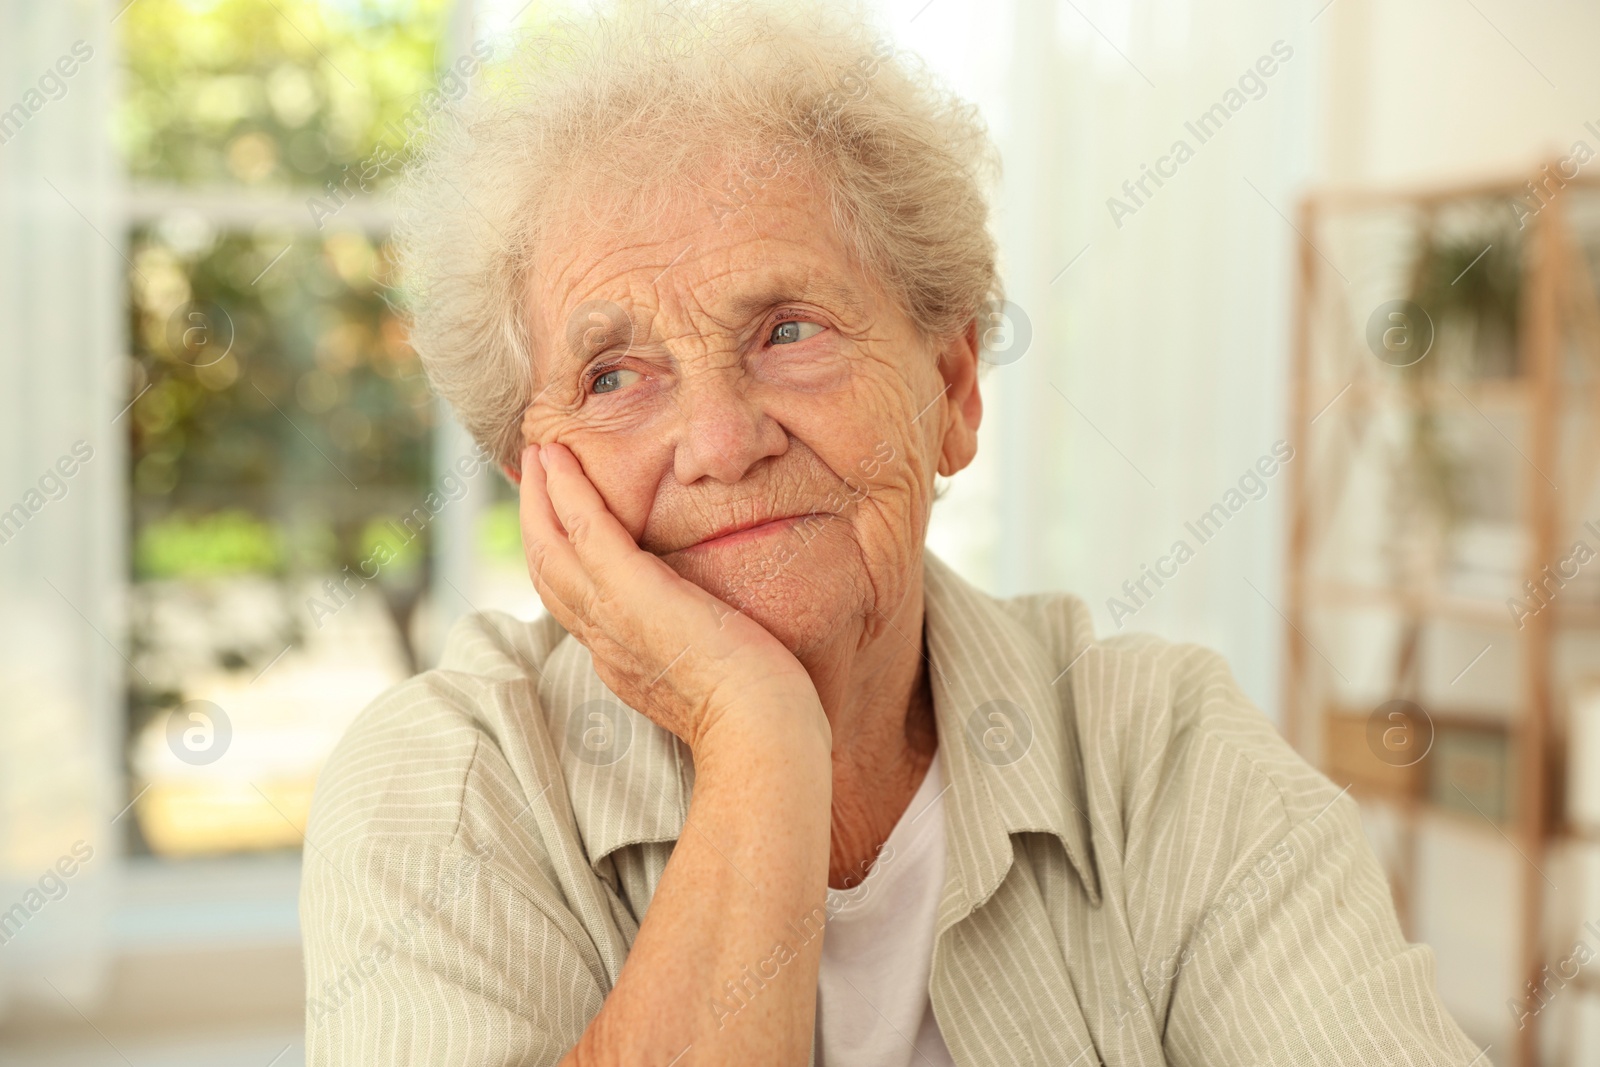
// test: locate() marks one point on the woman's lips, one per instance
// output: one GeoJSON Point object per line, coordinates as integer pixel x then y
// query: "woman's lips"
{"type": "Point", "coordinates": [746, 534]}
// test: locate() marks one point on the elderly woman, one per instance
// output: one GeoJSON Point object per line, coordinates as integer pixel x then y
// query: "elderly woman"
{"type": "Point", "coordinates": [770, 784]}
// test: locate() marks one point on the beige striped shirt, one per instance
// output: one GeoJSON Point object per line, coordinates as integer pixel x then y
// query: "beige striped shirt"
{"type": "Point", "coordinates": [1140, 870]}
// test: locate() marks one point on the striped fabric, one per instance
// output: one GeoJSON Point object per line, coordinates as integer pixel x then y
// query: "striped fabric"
{"type": "Point", "coordinates": [1140, 871]}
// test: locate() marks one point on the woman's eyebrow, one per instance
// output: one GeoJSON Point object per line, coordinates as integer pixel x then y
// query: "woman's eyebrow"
{"type": "Point", "coordinates": [573, 350]}
{"type": "Point", "coordinates": [845, 299]}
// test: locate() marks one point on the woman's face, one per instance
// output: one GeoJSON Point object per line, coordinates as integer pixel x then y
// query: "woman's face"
{"type": "Point", "coordinates": [754, 409]}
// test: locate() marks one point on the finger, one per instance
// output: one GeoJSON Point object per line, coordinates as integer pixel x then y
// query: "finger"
{"type": "Point", "coordinates": [557, 573]}
{"type": "Point", "coordinates": [603, 546]}
{"type": "Point", "coordinates": [534, 502]}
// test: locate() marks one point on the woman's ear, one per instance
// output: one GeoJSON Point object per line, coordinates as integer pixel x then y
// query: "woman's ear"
{"type": "Point", "coordinates": [513, 475]}
{"type": "Point", "coordinates": [958, 365]}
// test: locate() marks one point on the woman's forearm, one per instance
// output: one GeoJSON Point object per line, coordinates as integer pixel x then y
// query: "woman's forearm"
{"type": "Point", "coordinates": [724, 968]}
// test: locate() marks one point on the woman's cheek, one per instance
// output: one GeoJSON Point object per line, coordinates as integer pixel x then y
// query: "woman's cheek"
{"type": "Point", "coordinates": [882, 454]}
{"type": "Point", "coordinates": [624, 469]}
{"type": "Point", "coordinates": [816, 366]}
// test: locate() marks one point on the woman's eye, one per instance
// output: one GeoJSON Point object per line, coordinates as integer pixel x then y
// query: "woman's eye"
{"type": "Point", "coordinates": [612, 380]}
{"type": "Point", "coordinates": [787, 333]}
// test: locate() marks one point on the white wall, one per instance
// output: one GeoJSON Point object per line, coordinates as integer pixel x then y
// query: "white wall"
{"type": "Point", "coordinates": [1448, 91]}
{"type": "Point", "coordinates": [1445, 90]}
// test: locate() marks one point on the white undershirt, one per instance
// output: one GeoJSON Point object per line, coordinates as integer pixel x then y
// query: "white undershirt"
{"type": "Point", "coordinates": [877, 948]}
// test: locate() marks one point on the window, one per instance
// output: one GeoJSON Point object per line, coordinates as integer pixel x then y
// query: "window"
{"type": "Point", "coordinates": [291, 480]}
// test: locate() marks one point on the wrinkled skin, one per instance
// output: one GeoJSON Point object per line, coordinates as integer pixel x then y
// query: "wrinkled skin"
{"type": "Point", "coordinates": [711, 372]}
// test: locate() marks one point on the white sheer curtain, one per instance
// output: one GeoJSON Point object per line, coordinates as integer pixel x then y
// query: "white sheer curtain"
{"type": "Point", "coordinates": [1156, 372]}
{"type": "Point", "coordinates": [61, 514]}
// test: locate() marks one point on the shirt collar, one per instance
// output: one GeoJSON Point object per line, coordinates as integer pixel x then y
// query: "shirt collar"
{"type": "Point", "coordinates": [1003, 704]}
{"type": "Point", "coordinates": [1003, 708]}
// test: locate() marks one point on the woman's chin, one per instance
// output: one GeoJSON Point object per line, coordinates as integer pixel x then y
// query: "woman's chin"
{"type": "Point", "coordinates": [806, 602]}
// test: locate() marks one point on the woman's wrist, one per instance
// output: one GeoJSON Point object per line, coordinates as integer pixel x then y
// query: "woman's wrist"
{"type": "Point", "coordinates": [790, 730]}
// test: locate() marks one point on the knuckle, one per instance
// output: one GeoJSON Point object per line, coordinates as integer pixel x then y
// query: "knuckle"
{"type": "Point", "coordinates": [602, 601]}
{"type": "Point", "coordinates": [537, 554]}
{"type": "Point", "coordinates": [580, 529]}
{"type": "Point", "coordinates": [588, 608]}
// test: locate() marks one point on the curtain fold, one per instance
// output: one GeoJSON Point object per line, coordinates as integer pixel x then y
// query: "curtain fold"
{"type": "Point", "coordinates": [63, 382]}
{"type": "Point", "coordinates": [1156, 283]}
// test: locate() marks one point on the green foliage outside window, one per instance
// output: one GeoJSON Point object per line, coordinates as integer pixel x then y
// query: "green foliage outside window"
{"type": "Point", "coordinates": [271, 93]}
{"type": "Point", "coordinates": [280, 413]}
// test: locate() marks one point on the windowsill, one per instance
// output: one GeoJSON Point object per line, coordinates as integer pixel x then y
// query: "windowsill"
{"type": "Point", "coordinates": [208, 904]}
{"type": "Point", "coordinates": [201, 951]}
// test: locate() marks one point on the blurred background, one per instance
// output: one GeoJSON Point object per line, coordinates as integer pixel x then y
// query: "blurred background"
{"type": "Point", "coordinates": [1350, 243]}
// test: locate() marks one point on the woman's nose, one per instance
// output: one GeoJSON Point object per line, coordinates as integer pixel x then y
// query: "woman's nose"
{"type": "Point", "coordinates": [725, 430]}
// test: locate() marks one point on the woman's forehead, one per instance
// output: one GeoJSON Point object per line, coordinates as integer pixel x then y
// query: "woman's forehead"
{"type": "Point", "coordinates": [595, 230]}
{"type": "Point", "coordinates": [690, 265]}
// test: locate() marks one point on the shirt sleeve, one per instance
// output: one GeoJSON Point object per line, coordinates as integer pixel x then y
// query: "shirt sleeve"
{"type": "Point", "coordinates": [1298, 957]}
{"type": "Point", "coordinates": [421, 954]}
{"type": "Point", "coordinates": [1301, 961]}
{"type": "Point", "coordinates": [438, 927]}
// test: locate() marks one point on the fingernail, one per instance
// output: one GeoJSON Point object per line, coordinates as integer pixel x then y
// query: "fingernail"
{"type": "Point", "coordinates": [544, 458]}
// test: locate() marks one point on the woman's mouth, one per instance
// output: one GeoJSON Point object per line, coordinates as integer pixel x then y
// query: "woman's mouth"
{"type": "Point", "coordinates": [738, 535]}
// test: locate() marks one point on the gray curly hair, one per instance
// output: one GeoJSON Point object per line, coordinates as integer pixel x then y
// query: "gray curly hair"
{"type": "Point", "coordinates": [631, 104]}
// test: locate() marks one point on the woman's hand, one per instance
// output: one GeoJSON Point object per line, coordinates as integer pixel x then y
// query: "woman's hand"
{"type": "Point", "coordinates": [666, 647]}
{"type": "Point", "coordinates": [762, 787]}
